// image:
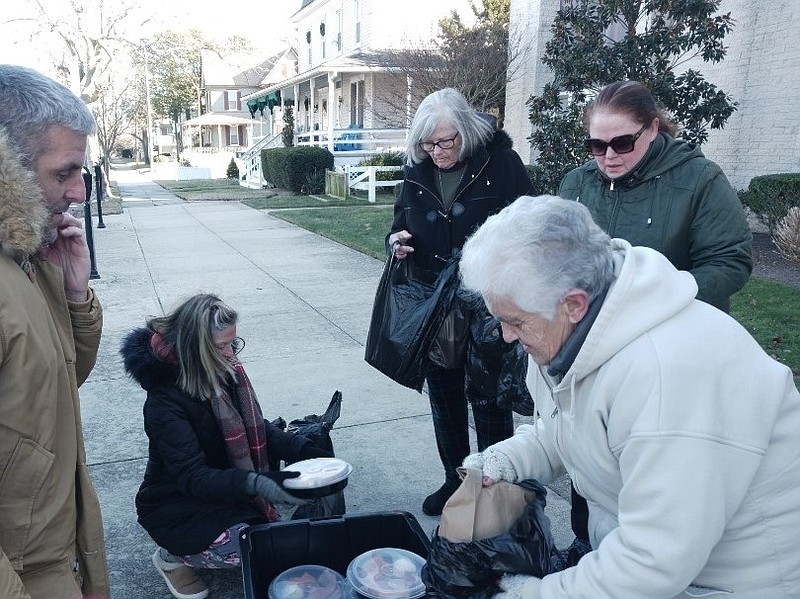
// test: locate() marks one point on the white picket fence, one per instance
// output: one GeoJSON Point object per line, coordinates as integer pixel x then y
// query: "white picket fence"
{"type": "Point", "coordinates": [363, 177]}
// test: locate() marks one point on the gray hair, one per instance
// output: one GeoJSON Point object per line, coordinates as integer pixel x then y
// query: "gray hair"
{"type": "Point", "coordinates": [31, 103]}
{"type": "Point", "coordinates": [534, 251]}
{"type": "Point", "coordinates": [189, 330]}
{"type": "Point", "coordinates": [447, 107]}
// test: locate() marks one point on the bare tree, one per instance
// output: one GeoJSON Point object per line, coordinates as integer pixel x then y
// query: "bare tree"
{"type": "Point", "coordinates": [478, 60]}
{"type": "Point", "coordinates": [117, 110]}
{"type": "Point", "coordinates": [82, 37]}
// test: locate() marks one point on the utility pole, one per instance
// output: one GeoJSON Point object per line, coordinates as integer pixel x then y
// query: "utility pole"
{"type": "Point", "coordinates": [149, 148]}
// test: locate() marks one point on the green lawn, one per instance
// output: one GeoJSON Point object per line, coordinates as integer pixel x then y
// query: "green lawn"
{"type": "Point", "coordinates": [362, 228]}
{"type": "Point", "coordinates": [771, 312]}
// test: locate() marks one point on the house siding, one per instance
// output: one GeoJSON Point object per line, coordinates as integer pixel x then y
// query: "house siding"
{"type": "Point", "coordinates": [761, 67]}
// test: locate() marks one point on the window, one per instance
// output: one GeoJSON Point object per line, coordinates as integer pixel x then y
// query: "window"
{"type": "Point", "coordinates": [337, 40]}
{"type": "Point", "coordinates": [233, 136]}
{"type": "Point", "coordinates": [357, 104]}
{"type": "Point", "coordinates": [231, 99]}
{"type": "Point", "coordinates": [357, 19]}
{"type": "Point", "coordinates": [322, 39]}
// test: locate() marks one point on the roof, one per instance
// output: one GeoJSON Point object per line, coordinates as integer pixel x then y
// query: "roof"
{"type": "Point", "coordinates": [230, 70]}
{"type": "Point", "coordinates": [358, 62]}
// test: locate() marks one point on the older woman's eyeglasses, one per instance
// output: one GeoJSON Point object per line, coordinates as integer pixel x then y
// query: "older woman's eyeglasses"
{"type": "Point", "coordinates": [622, 144]}
{"type": "Point", "coordinates": [444, 144]}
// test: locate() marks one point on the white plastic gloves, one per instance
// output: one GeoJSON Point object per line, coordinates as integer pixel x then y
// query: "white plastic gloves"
{"type": "Point", "coordinates": [518, 586]}
{"type": "Point", "coordinates": [494, 464]}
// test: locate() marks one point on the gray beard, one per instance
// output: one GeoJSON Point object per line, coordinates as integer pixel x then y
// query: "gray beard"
{"type": "Point", "coordinates": [49, 234]}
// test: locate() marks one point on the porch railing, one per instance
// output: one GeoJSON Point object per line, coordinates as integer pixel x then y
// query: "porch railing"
{"type": "Point", "coordinates": [356, 142]}
{"type": "Point", "coordinates": [250, 175]}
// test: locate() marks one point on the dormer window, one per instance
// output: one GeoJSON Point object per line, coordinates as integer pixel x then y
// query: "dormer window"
{"type": "Point", "coordinates": [232, 100]}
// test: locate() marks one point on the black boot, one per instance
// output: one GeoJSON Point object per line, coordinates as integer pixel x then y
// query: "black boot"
{"type": "Point", "coordinates": [434, 503]}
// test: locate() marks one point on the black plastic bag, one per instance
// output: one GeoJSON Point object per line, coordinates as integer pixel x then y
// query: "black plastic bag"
{"type": "Point", "coordinates": [495, 370]}
{"type": "Point", "coordinates": [317, 429]}
{"type": "Point", "coordinates": [461, 570]}
{"type": "Point", "coordinates": [406, 317]}
{"type": "Point", "coordinates": [512, 388]}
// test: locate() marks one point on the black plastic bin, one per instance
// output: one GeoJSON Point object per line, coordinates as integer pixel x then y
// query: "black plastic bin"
{"type": "Point", "coordinates": [269, 549]}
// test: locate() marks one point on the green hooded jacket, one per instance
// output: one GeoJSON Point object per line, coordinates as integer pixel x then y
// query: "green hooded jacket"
{"type": "Point", "coordinates": [680, 203]}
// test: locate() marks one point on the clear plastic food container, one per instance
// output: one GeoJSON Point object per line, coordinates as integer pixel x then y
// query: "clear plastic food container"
{"type": "Point", "coordinates": [387, 573]}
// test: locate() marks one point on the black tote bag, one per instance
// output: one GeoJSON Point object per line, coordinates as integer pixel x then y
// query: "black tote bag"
{"type": "Point", "coordinates": [406, 316]}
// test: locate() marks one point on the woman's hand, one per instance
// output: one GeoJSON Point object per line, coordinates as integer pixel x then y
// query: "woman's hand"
{"type": "Point", "coordinates": [494, 464]}
{"type": "Point", "coordinates": [398, 244]}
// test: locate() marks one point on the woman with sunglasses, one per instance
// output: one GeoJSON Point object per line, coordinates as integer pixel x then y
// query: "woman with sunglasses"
{"type": "Point", "coordinates": [653, 190]}
{"type": "Point", "coordinates": [207, 474]}
{"type": "Point", "coordinates": [460, 170]}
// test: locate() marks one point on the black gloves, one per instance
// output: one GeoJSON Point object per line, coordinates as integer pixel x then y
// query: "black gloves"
{"type": "Point", "coordinates": [269, 485]}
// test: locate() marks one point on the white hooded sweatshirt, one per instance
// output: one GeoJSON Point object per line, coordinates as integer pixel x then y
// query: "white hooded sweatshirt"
{"type": "Point", "coordinates": [684, 437]}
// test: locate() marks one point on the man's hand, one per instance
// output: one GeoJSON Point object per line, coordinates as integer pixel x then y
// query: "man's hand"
{"type": "Point", "coordinates": [70, 252]}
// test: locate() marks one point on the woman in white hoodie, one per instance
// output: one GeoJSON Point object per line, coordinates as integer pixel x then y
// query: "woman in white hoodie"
{"type": "Point", "coordinates": [681, 432]}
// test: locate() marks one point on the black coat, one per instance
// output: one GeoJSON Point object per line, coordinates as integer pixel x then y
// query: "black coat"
{"type": "Point", "coordinates": [493, 178]}
{"type": "Point", "coordinates": [191, 492]}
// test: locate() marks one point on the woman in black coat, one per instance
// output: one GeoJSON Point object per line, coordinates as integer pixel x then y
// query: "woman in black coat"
{"type": "Point", "coordinates": [207, 473]}
{"type": "Point", "coordinates": [460, 171]}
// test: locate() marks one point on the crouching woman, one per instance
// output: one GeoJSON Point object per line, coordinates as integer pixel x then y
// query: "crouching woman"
{"type": "Point", "coordinates": [207, 475]}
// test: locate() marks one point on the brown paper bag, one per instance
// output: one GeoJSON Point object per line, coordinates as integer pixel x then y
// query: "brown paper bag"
{"type": "Point", "coordinates": [474, 513]}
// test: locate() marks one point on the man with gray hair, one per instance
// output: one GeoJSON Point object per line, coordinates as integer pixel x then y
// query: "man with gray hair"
{"type": "Point", "coordinates": [51, 532]}
{"type": "Point", "coordinates": [678, 429]}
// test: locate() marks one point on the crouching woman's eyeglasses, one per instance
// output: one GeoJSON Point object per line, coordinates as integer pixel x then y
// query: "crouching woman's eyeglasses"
{"type": "Point", "coordinates": [622, 144]}
{"type": "Point", "coordinates": [237, 345]}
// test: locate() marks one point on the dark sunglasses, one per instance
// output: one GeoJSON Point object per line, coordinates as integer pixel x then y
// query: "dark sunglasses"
{"type": "Point", "coordinates": [622, 144]}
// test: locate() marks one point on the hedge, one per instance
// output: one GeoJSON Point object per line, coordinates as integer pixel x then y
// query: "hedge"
{"type": "Point", "coordinates": [771, 196]}
{"type": "Point", "coordinates": [298, 169]}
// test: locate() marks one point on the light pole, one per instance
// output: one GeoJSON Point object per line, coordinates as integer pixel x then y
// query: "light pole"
{"type": "Point", "coordinates": [149, 109]}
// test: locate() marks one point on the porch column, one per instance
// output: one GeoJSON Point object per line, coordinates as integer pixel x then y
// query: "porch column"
{"type": "Point", "coordinates": [409, 81]}
{"type": "Point", "coordinates": [312, 118]}
{"type": "Point", "coordinates": [219, 136]}
{"type": "Point", "coordinates": [296, 109]}
{"type": "Point", "coordinates": [331, 108]}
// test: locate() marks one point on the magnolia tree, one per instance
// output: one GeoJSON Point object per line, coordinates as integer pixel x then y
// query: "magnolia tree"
{"type": "Point", "coordinates": [597, 42]}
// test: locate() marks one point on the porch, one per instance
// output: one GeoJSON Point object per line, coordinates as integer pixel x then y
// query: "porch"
{"type": "Point", "coordinates": [348, 146]}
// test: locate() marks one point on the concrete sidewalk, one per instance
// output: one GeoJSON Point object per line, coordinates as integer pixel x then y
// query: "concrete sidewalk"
{"type": "Point", "coordinates": [304, 303]}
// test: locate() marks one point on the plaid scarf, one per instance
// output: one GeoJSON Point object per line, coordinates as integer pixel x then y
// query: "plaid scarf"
{"type": "Point", "coordinates": [243, 431]}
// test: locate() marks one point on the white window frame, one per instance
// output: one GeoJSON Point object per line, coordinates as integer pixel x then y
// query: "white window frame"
{"type": "Point", "coordinates": [337, 41]}
{"type": "Point", "coordinates": [357, 21]}
{"type": "Point", "coordinates": [232, 105]}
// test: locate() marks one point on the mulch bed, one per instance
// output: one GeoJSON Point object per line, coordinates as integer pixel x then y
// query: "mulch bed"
{"type": "Point", "coordinates": [769, 263]}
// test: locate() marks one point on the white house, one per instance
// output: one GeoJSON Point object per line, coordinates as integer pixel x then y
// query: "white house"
{"type": "Point", "coordinates": [761, 72]}
{"type": "Point", "coordinates": [345, 79]}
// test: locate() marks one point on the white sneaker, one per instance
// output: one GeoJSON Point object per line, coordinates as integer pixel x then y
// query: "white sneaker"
{"type": "Point", "coordinates": [182, 581]}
